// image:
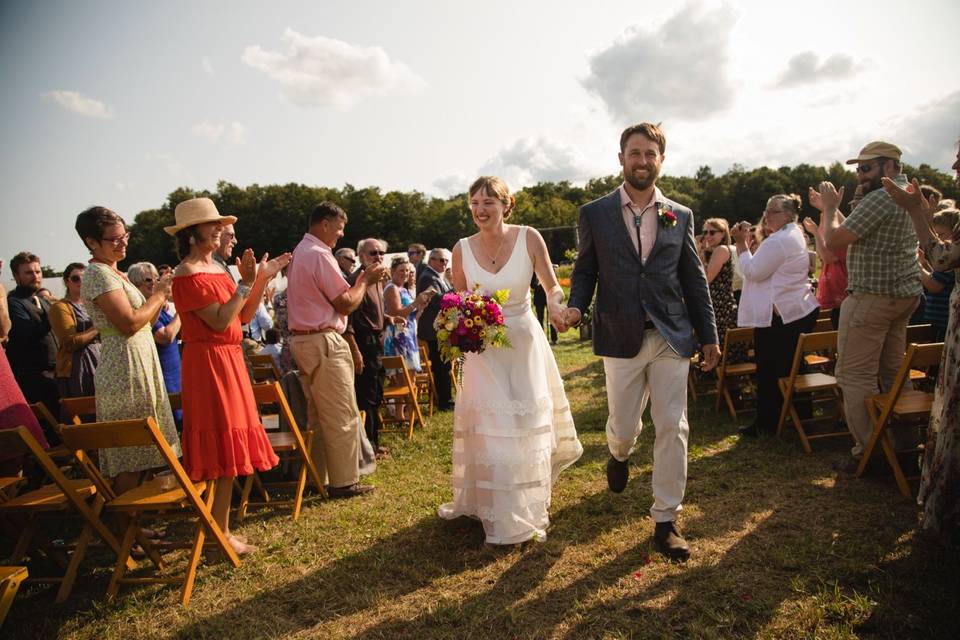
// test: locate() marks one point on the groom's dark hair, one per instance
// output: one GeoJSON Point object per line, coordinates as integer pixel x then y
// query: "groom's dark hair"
{"type": "Point", "coordinates": [651, 132]}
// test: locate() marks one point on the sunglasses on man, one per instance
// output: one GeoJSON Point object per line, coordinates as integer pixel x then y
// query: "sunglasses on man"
{"type": "Point", "coordinates": [868, 166]}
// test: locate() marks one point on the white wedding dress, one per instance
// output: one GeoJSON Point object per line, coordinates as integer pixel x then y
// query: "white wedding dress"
{"type": "Point", "coordinates": [513, 433]}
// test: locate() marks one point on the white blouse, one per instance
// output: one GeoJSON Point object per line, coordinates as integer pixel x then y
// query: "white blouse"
{"type": "Point", "coordinates": [776, 279]}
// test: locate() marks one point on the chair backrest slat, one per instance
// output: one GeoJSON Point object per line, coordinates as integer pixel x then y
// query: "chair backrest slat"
{"type": "Point", "coordinates": [920, 334]}
{"type": "Point", "coordinates": [108, 435]}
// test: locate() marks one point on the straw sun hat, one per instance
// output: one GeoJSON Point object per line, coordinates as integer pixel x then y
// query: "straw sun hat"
{"type": "Point", "coordinates": [197, 211]}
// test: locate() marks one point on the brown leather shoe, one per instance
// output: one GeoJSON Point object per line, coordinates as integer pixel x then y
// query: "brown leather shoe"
{"type": "Point", "coordinates": [350, 491]}
{"type": "Point", "coordinates": [669, 542]}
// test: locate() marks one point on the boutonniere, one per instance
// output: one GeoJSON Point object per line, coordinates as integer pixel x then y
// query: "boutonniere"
{"type": "Point", "coordinates": [666, 216]}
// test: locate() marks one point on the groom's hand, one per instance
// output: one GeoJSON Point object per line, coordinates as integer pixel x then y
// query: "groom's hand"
{"type": "Point", "coordinates": [571, 318]}
{"type": "Point", "coordinates": [711, 356]}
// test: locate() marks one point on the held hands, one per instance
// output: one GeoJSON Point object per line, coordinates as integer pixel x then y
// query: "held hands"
{"type": "Point", "coordinates": [566, 318]}
{"type": "Point", "coordinates": [830, 197]}
{"type": "Point", "coordinates": [711, 356]}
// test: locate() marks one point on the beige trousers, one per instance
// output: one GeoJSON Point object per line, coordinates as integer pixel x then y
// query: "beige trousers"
{"type": "Point", "coordinates": [659, 375]}
{"type": "Point", "coordinates": [870, 345]}
{"type": "Point", "coordinates": [326, 373]}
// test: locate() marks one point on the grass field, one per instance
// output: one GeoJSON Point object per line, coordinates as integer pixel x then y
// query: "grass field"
{"type": "Point", "coordinates": [782, 548]}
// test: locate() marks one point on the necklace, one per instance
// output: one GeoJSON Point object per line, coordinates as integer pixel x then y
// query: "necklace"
{"type": "Point", "coordinates": [493, 260]}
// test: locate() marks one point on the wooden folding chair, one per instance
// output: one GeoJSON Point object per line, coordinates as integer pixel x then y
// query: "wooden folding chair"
{"type": "Point", "coordinates": [10, 579]}
{"type": "Point", "coordinates": [821, 361]}
{"type": "Point", "coordinates": [426, 385]}
{"type": "Point", "coordinates": [291, 445]}
{"type": "Point", "coordinates": [730, 374]}
{"type": "Point", "coordinates": [920, 334]}
{"type": "Point", "coordinates": [153, 499]}
{"type": "Point", "coordinates": [399, 398]}
{"type": "Point", "coordinates": [59, 499]}
{"type": "Point", "coordinates": [44, 417]}
{"type": "Point", "coordinates": [820, 387]}
{"type": "Point", "coordinates": [900, 405]}
{"type": "Point", "coordinates": [76, 409]}
{"type": "Point", "coordinates": [8, 487]}
{"type": "Point", "coordinates": [263, 368]}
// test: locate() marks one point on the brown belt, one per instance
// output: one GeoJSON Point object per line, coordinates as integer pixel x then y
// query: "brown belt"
{"type": "Point", "coordinates": [310, 332]}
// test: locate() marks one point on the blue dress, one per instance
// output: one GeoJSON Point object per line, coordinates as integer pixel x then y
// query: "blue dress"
{"type": "Point", "coordinates": [403, 342]}
{"type": "Point", "coordinates": [169, 355]}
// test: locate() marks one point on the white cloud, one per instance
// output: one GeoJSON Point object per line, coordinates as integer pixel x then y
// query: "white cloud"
{"type": "Point", "coordinates": [231, 133]}
{"type": "Point", "coordinates": [807, 68]}
{"type": "Point", "coordinates": [677, 71]}
{"type": "Point", "coordinates": [79, 103]}
{"type": "Point", "coordinates": [321, 71]}
{"type": "Point", "coordinates": [451, 184]}
{"type": "Point", "coordinates": [531, 160]}
{"type": "Point", "coordinates": [929, 134]}
{"type": "Point", "coordinates": [207, 65]}
{"type": "Point", "coordinates": [169, 162]}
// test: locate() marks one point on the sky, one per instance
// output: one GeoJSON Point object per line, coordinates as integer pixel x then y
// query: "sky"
{"type": "Point", "coordinates": [119, 103]}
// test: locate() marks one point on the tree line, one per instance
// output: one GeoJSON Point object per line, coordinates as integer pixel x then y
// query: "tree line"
{"type": "Point", "coordinates": [273, 217]}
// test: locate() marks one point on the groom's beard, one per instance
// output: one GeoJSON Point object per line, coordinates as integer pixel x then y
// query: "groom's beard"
{"type": "Point", "coordinates": [642, 184]}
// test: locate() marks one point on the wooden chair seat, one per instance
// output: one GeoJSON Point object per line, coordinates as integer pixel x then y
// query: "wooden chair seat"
{"type": "Point", "coordinates": [917, 375]}
{"type": "Point", "coordinates": [741, 369]}
{"type": "Point", "coordinates": [901, 405]}
{"type": "Point", "coordinates": [807, 382]}
{"type": "Point", "coordinates": [50, 497]}
{"type": "Point", "coordinates": [150, 495]}
{"type": "Point", "coordinates": [910, 404]}
{"type": "Point", "coordinates": [814, 360]}
{"type": "Point", "coordinates": [7, 484]}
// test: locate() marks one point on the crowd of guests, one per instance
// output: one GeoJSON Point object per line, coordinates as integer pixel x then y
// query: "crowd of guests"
{"type": "Point", "coordinates": [131, 338]}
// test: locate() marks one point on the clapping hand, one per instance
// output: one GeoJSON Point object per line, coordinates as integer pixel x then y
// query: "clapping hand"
{"type": "Point", "coordinates": [740, 232]}
{"type": "Point", "coordinates": [830, 196]}
{"type": "Point", "coordinates": [165, 285]}
{"type": "Point", "coordinates": [270, 268]}
{"type": "Point", "coordinates": [810, 226]}
{"type": "Point", "coordinates": [814, 197]}
{"type": "Point", "coordinates": [375, 273]}
{"type": "Point", "coordinates": [911, 198]}
{"type": "Point", "coordinates": [247, 266]}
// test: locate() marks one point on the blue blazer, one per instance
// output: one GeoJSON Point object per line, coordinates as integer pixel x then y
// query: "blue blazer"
{"type": "Point", "coordinates": [670, 290]}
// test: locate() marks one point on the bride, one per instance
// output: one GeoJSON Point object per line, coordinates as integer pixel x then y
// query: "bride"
{"type": "Point", "coordinates": [513, 433]}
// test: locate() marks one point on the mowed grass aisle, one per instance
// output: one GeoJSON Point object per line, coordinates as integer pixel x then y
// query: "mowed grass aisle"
{"type": "Point", "coordinates": [781, 548]}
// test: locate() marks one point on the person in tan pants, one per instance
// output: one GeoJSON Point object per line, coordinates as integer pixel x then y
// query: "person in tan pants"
{"type": "Point", "coordinates": [318, 301]}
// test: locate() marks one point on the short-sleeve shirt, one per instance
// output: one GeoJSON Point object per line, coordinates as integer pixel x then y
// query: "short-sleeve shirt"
{"type": "Point", "coordinates": [883, 259]}
{"type": "Point", "coordinates": [313, 283]}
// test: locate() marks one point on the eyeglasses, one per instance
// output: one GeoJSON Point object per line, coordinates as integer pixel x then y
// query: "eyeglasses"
{"type": "Point", "coordinates": [376, 253]}
{"type": "Point", "coordinates": [710, 232]}
{"type": "Point", "coordinates": [347, 258]}
{"type": "Point", "coordinates": [150, 280]}
{"type": "Point", "coordinates": [443, 260]}
{"type": "Point", "coordinates": [75, 279]}
{"type": "Point", "coordinates": [118, 240]}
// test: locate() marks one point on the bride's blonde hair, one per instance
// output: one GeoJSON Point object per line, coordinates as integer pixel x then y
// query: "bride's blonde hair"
{"type": "Point", "coordinates": [497, 188]}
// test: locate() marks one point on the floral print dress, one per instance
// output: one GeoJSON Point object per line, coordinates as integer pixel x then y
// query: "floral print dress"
{"type": "Point", "coordinates": [940, 478]}
{"type": "Point", "coordinates": [128, 380]}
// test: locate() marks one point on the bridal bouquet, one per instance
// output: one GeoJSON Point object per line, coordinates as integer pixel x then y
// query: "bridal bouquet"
{"type": "Point", "coordinates": [469, 322]}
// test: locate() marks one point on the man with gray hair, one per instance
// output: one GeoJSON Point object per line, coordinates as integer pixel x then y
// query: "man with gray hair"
{"type": "Point", "coordinates": [432, 278]}
{"type": "Point", "coordinates": [228, 240]}
{"type": "Point", "coordinates": [364, 332]}
{"type": "Point", "coordinates": [347, 261]}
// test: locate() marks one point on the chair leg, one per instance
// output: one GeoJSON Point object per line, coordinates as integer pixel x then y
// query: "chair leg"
{"type": "Point", "coordinates": [23, 542]}
{"type": "Point", "coordinates": [298, 496]}
{"type": "Point", "coordinates": [787, 399]}
{"type": "Point", "coordinates": [66, 585]}
{"type": "Point", "coordinates": [891, 453]}
{"type": "Point", "coordinates": [125, 546]}
{"type": "Point", "coordinates": [188, 580]}
{"type": "Point", "coordinates": [804, 440]}
{"type": "Point", "coordinates": [878, 432]}
{"type": "Point", "coordinates": [245, 497]}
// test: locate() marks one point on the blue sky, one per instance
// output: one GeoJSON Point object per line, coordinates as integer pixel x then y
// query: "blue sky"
{"type": "Point", "coordinates": [119, 103]}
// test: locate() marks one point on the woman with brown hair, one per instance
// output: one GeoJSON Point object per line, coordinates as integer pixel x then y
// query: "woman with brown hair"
{"type": "Point", "coordinates": [718, 263]}
{"type": "Point", "coordinates": [222, 432]}
{"type": "Point", "coordinates": [78, 341]}
{"type": "Point", "coordinates": [128, 380]}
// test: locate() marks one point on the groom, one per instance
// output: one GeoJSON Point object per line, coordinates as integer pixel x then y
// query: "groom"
{"type": "Point", "coordinates": [637, 250]}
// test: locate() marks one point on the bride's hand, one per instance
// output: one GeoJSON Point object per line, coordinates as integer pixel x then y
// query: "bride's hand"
{"type": "Point", "coordinates": [558, 315]}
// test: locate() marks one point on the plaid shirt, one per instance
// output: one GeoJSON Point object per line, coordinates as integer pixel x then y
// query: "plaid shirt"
{"type": "Point", "coordinates": [883, 260]}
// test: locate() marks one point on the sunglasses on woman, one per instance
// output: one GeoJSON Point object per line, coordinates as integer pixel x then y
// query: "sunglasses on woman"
{"type": "Point", "coordinates": [75, 279]}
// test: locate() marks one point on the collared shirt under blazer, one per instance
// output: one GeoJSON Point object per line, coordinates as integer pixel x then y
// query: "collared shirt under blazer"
{"type": "Point", "coordinates": [776, 278]}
